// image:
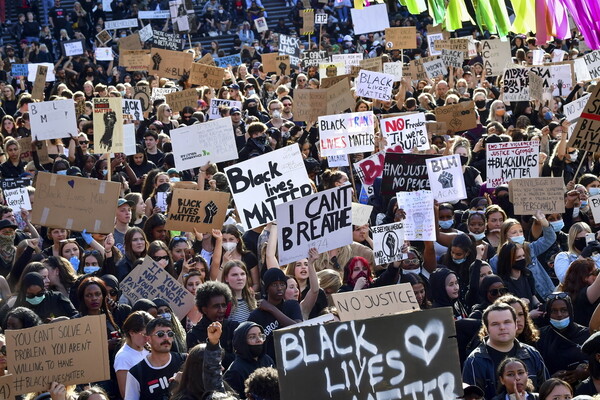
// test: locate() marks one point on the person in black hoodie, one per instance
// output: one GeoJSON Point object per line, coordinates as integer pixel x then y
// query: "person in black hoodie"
{"type": "Point", "coordinates": [491, 287]}
{"type": "Point", "coordinates": [446, 292]}
{"type": "Point", "coordinates": [47, 304]}
{"type": "Point", "coordinates": [257, 142]}
{"type": "Point", "coordinates": [212, 299]}
{"type": "Point", "coordinates": [249, 346]}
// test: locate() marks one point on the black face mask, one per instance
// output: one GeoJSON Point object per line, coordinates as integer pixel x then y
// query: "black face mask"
{"type": "Point", "coordinates": [480, 103]}
{"type": "Point", "coordinates": [464, 160]}
{"type": "Point", "coordinates": [256, 349]}
{"type": "Point", "coordinates": [579, 243]}
{"type": "Point", "coordinates": [520, 265]}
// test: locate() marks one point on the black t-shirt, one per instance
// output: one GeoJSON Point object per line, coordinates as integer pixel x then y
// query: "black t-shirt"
{"type": "Point", "coordinates": [498, 356]}
{"type": "Point", "coordinates": [154, 383]}
{"type": "Point", "coordinates": [59, 17]}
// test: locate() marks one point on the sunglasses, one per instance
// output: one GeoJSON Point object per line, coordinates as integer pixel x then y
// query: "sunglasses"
{"type": "Point", "coordinates": [557, 296]}
{"type": "Point", "coordinates": [84, 142]}
{"type": "Point", "coordinates": [91, 253]}
{"type": "Point", "coordinates": [157, 259]}
{"type": "Point", "coordinates": [162, 334]}
{"type": "Point", "coordinates": [498, 292]}
{"type": "Point", "coordinates": [168, 109]}
{"type": "Point", "coordinates": [413, 261]}
{"type": "Point", "coordinates": [33, 296]}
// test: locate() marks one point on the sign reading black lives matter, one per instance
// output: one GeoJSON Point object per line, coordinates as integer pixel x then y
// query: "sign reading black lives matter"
{"type": "Point", "coordinates": [587, 132]}
{"type": "Point", "coordinates": [512, 160]}
{"type": "Point", "coordinates": [401, 356]}
{"type": "Point", "coordinates": [259, 184]}
{"type": "Point", "coordinates": [289, 45]}
{"type": "Point", "coordinates": [404, 173]}
{"type": "Point", "coordinates": [322, 220]}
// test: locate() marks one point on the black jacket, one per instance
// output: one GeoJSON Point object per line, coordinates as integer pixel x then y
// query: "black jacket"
{"type": "Point", "coordinates": [198, 335]}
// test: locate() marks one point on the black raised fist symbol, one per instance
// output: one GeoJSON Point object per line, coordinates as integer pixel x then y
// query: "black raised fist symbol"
{"type": "Point", "coordinates": [446, 179]}
{"type": "Point", "coordinates": [211, 210]}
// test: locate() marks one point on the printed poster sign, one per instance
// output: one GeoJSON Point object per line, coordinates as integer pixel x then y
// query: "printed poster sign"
{"type": "Point", "coordinates": [388, 241]}
{"type": "Point", "coordinates": [446, 178]}
{"type": "Point", "coordinates": [347, 133]}
{"type": "Point", "coordinates": [108, 124]}
{"type": "Point", "coordinates": [170, 64]}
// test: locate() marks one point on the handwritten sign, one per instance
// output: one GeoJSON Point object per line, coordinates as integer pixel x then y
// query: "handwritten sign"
{"type": "Point", "coordinates": [361, 214]}
{"type": "Point", "coordinates": [40, 83]}
{"type": "Point", "coordinates": [17, 199]}
{"type": "Point", "coordinates": [53, 119]}
{"type": "Point", "coordinates": [170, 64]}
{"type": "Point", "coordinates": [585, 135]}
{"type": "Point", "coordinates": [446, 178]}
{"type": "Point", "coordinates": [387, 242]}
{"type": "Point", "coordinates": [529, 195]}
{"type": "Point", "coordinates": [453, 58]}
{"type": "Point", "coordinates": [135, 60]}
{"type": "Point", "coordinates": [72, 48]}
{"type": "Point", "coordinates": [178, 100]}
{"type": "Point", "coordinates": [515, 86]}
{"type": "Point", "coordinates": [200, 209]}
{"type": "Point", "coordinates": [496, 54]}
{"type": "Point", "coordinates": [419, 223]}
{"type": "Point", "coordinates": [347, 133]}
{"type": "Point", "coordinates": [228, 61]}
{"type": "Point", "coordinates": [457, 117]}
{"type": "Point", "coordinates": [121, 24]}
{"type": "Point", "coordinates": [435, 68]}
{"type": "Point", "coordinates": [401, 38]}
{"type": "Point", "coordinates": [404, 172]}
{"type": "Point", "coordinates": [376, 302]}
{"type": "Point", "coordinates": [512, 160]}
{"type": "Point", "coordinates": [204, 74]}
{"type": "Point", "coordinates": [374, 85]}
{"type": "Point", "coordinates": [370, 168]}
{"type": "Point", "coordinates": [309, 104]}
{"type": "Point", "coordinates": [216, 104]}
{"type": "Point", "coordinates": [405, 133]}
{"type": "Point", "coordinates": [595, 206]}
{"type": "Point", "coordinates": [166, 40]}
{"type": "Point", "coordinates": [290, 45]}
{"type": "Point", "coordinates": [7, 387]}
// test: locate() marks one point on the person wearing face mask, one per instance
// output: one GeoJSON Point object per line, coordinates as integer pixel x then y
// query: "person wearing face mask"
{"type": "Point", "coordinates": [576, 245]}
{"type": "Point", "coordinates": [564, 160]}
{"type": "Point", "coordinates": [249, 347]}
{"type": "Point", "coordinates": [498, 114]}
{"type": "Point", "coordinates": [471, 174]}
{"type": "Point", "coordinates": [256, 145]}
{"type": "Point", "coordinates": [561, 244]}
{"type": "Point", "coordinates": [48, 305]}
{"type": "Point", "coordinates": [560, 341]}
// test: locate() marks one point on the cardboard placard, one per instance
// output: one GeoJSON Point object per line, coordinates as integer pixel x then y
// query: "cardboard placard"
{"type": "Point", "coordinates": [143, 94]}
{"type": "Point", "coordinates": [104, 37]}
{"type": "Point", "coordinates": [322, 221]}
{"type": "Point", "coordinates": [394, 69]}
{"type": "Point", "coordinates": [370, 168]}
{"type": "Point", "coordinates": [419, 223]}
{"type": "Point", "coordinates": [216, 104]}
{"type": "Point", "coordinates": [25, 146]}
{"type": "Point", "coordinates": [529, 195]}
{"type": "Point", "coordinates": [269, 63]}
{"type": "Point", "coordinates": [329, 82]}
{"type": "Point", "coordinates": [149, 280]}
{"type": "Point", "coordinates": [496, 54]}
{"type": "Point", "coordinates": [350, 60]}
{"type": "Point", "coordinates": [75, 203]}
{"type": "Point", "coordinates": [309, 104]}
{"type": "Point", "coordinates": [515, 84]}
{"type": "Point", "coordinates": [72, 48]}
{"type": "Point", "coordinates": [259, 184]}
{"type": "Point", "coordinates": [339, 97]}
{"type": "Point", "coordinates": [206, 59]}
{"type": "Point", "coordinates": [573, 110]}
{"type": "Point", "coordinates": [374, 85]}
{"type": "Point", "coordinates": [401, 38]}
{"type": "Point", "coordinates": [108, 124]}
{"type": "Point", "coordinates": [195, 145]}
{"type": "Point", "coordinates": [387, 243]}
{"type": "Point", "coordinates": [135, 60]}
{"type": "Point", "coordinates": [308, 22]}
{"type": "Point", "coordinates": [204, 74]}
{"type": "Point", "coordinates": [42, 151]}
{"type": "Point", "coordinates": [446, 178]}
{"type": "Point", "coordinates": [17, 199]}
{"type": "Point", "coordinates": [132, 110]}
{"type": "Point", "coordinates": [512, 160]}
{"type": "Point", "coordinates": [70, 352]}
{"type": "Point", "coordinates": [121, 24]}
{"type": "Point", "coordinates": [455, 44]}
{"type": "Point", "coordinates": [170, 64]}
{"type": "Point", "coordinates": [314, 58]}
{"type": "Point", "coordinates": [458, 117]}
{"type": "Point", "coordinates": [404, 173]}
{"type": "Point", "coordinates": [53, 119]}
{"type": "Point", "coordinates": [453, 58]}
{"type": "Point", "coordinates": [585, 135]}
{"type": "Point", "coordinates": [40, 83]}
{"type": "Point", "coordinates": [405, 133]}
{"type": "Point", "coordinates": [178, 100]}
{"type": "Point", "coordinates": [371, 64]}
{"type": "Point", "coordinates": [408, 355]}
{"type": "Point", "coordinates": [7, 387]}
{"type": "Point", "coordinates": [347, 133]}
{"type": "Point", "coordinates": [203, 210]}
{"type": "Point", "coordinates": [131, 42]}
{"type": "Point", "coordinates": [536, 87]}
{"type": "Point", "coordinates": [358, 304]}
{"type": "Point", "coordinates": [283, 64]}
{"type": "Point", "coordinates": [370, 19]}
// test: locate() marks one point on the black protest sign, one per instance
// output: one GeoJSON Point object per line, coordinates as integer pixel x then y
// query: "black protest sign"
{"type": "Point", "coordinates": [200, 209]}
{"type": "Point", "coordinates": [166, 40]}
{"type": "Point", "coordinates": [404, 173]}
{"type": "Point", "coordinates": [401, 356]}
{"type": "Point", "coordinates": [313, 58]}
{"type": "Point", "coordinates": [14, 183]}
{"type": "Point", "coordinates": [289, 45]}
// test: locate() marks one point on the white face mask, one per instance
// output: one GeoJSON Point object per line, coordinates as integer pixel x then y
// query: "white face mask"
{"type": "Point", "coordinates": [229, 246]}
{"type": "Point", "coordinates": [251, 92]}
{"type": "Point", "coordinates": [276, 114]}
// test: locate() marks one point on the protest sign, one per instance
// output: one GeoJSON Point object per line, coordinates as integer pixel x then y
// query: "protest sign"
{"type": "Point", "coordinates": [283, 64]}
{"type": "Point", "coordinates": [103, 54]}
{"type": "Point", "coordinates": [195, 145]}
{"type": "Point", "coordinates": [419, 223]}
{"type": "Point", "coordinates": [370, 19]}
{"type": "Point", "coordinates": [268, 62]}
{"type": "Point", "coordinates": [290, 45]}
{"type": "Point", "coordinates": [184, 98]}
{"type": "Point", "coordinates": [72, 48]}
{"type": "Point", "coordinates": [12, 183]}
{"type": "Point", "coordinates": [375, 302]}
{"type": "Point", "coordinates": [19, 70]}
{"type": "Point", "coordinates": [322, 220]}
{"type": "Point", "coordinates": [166, 40]}
{"type": "Point", "coordinates": [314, 58]}
{"type": "Point", "coordinates": [404, 172]}
{"type": "Point", "coordinates": [308, 22]}
{"type": "Point", "coordinates": [370, 168]}
{"type": "Point", "coordinates": [557, 78]}
{"type": "Point", "coordinates": [32, 75]}
{"type": "Point", "coordinates": [387, 243]}
{"type": "Point", "coordinates": [259, 184]}
{"type": "Point", "coordinates": [558, 55]}
{"type": "Point", "coordinates": [159, 93]}
{"type": "Point", "coordinates": [585, 135]}
{"type": "Point", "coordinates": [446, 178]}
{"type": "Point", "coordinates": [135, 60]}
{"type": "Point", "coordinates": [104, 37]}
{"type": "Point", "coordinates": [145, 33]}
{"type": "Point", "coordinates": [594, 202]}
{"type": "Point", "coordinates": [204, 74]}
{"type": "Point", "coordinates": [361, 214]}
{"type": "Point", "coordinates": [394, 69]}
{"type": "Point", "coordinates": [149, 281]}
{"type": "Point", "coordinates": [309, 104]}
{"type": "Point", "coordinates": [203, 210]}
{"type": "Point", "coordinates": [129, 140]}
{"type": "Point", "coordinates": [401, 356]}
{"type": "Point", "coordinates": [321, 18]}
{"type": "Point", "coordinates": [536, 87]}
{"type": "Point", "coordinates": [341, 160]}
{"type": "Point", "coordinates": [206, 59]}
{"type": "Point", "coordinates": [374, 85]}
{"type": "Point", "coordinates": [496, 54]}
{"type": "Point", "coordinates": [331, 69]}
{"type": "Point", "coordinates": [143, 94]}
{"type": "Point", "coordinates": [40, 83]}
{"type": "Point", "coordinates": [435, 68]}
{"type": "Point", "coordinates": [25, 146]}
{"type": "Point", "coordinates": [515, 84]}
{"type": "Point", "coordinates": [132, 110]}
{"type": "Point", "coordinates": [538, 57]}
{"type": "Point", "coordinates": [75, 203]}
{"type": "Point", "coordinates": [581, 71]}
{"type": "Point", "coordinates": [53, 119]}
{"type": "Point", "coordinates": [339, 97]}
{"type": "Point", "coordinates": [121, 24]}
{"type": "Point", "coordinates": [453, 58]}
{"type": "Point", "coordinates": [131, 42]}
{"type": "Point", "coordinates": [215, 104]}
{"type": "Point", "coordinates": [228, 61]}
{"type": "Point", "coordinates": [401, 38]}
{"type": "Point", "coordinates": [329, 82]}
{"type": "Point", "coordinates": [156, 14]}
{"type": "Point", "coordinates": [7, 387]}
{"type": "Point", "coordinates": [371, 64]}
{"type": "Point", "coordinates": [70, 352]}
{"type": "Point", "coordinates": [462, 44]}
{"type": "Point", "coordinates": [572, 112]}
{"type": "Point", "coordinates": [170, 64]}
{"type": "Point", "coordinates": [529, 195]}
{"type": "Point", "coordinates": [512, 160]}
{"type": "Point", "coordinates": [350, 60]}
{"type": "Point", "coordinates": [432, 38]}
{"type": "Point", "coordinates": [108, 124]}
{"type": "Point", "coordinates": [458, 117]}
{"type": "Point", "coordinates": [261, 24]}
{"type": "Point", "coordinates": [17, 199]}
{"type": "Point", "coordinates": [347, 133]}
{"type": "Point", "coordinates": [405, 133]}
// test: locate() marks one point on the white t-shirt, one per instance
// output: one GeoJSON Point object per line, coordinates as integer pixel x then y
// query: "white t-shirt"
{"type": "Point", "coordinates": [127, 357]}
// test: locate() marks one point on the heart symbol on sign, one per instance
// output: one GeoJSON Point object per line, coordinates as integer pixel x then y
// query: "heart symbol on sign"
{"type": "Point", "coordinates": [71, 183]}
{"type": "Point", "coordinates": [434, 328]}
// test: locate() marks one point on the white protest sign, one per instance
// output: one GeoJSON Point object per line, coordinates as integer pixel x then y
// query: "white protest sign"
{"type": "Point", "coordinates": [558, 76]}
{"type": "Point", "coordinates": [538, 57]}
{"type": "Point", "coordinates": [106, 5]}
{"type": "Point", "coordinates": [405, 133]}
{"type": "Point", "coordinates": [129, 139]}
{"type": "Point", "coordinates": [159, 93]}
{"type": "Point", "coordinates": [592, 61]}
{"type": "Point", "coordinates": [213, 111]}
{"type": "Point", "coordinates": [121, 24]}
{"type": "Point", "coordinates": [132, 109]}
{"type": "Point", "coordinates": [594, 202]}
{"type": "Point", "coordinates": [259, 184]}
{"type": "Point", "coordinates": [387, 242]}
{"type": "Point", "coordinates": [573, 110]}
{"type": "Point", "coordinates": [511, 160]}
{"type": "Point", "coordinates": [145, 33]}
{"type": "Point", "coordinates": [339, 160]}
{"type": "Point", "coordinates": [431, 39]}
{"type": "Point", "coordinates": [261, 24]}
{"type": "Point", "coordinates": [446, 178]}
{"type": "Point", "coordinates": [394, 69]}
{"type": "Point", "coordinates": [160, 14]}
{"type": "Point", "coordinates": [322, 220]}
{"type": "Point", "coordinates": [374, 85]}
{"type": "Point", "coordinates": [104, 54]}
{"type": "Point", "coordinates": [361, 214]}
{"type": "Point", "coordinates": [558, 55]}
{"type": "Point", "coordinates": [581, 71]}
{"type": "Point", "coordinates": [53, 119]}
{"type": "Point", "coordinates": [32, 71]}
{"type": "Point", "coordinates": [453, 58]}
{"type": "Point", "coordinates": [348, 133]}
{"type": "Point", "coordinates": [370, 19]}
{"type": "Point", "coordinates": [320, 18]}
{"type": "Point", "coordinates": [17, 199]}
{"type": "Point", "coordinates": [195, 145]}
{"type": "Point", "coordinates": [435, 68]}
{"type": "Point", "coordinates": [73, 48]}
{"type": "Point", "coordinates": [419, 223]}
{"type": "Point", "coordinates": [515, 86]}
{"type": "Point", "coordinates": [349, 59]}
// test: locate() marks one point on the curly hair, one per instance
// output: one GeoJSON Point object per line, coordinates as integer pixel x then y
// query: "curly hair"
{"type": "Point", "coordinates": [263, 383]}
{"type": "Point", "coordinates": [575, 278]}
{"type": "Point", "coordinates": [211, 289]}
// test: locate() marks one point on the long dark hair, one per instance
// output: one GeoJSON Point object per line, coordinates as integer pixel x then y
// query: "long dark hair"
{"type": "Point", "coordinates": [104, 308]}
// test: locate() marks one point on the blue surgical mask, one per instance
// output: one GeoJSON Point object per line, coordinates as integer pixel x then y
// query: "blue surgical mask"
{"type": "Point", "coordinates": [459, 260]}
{"type": "Point", "coordinates": [584, 204]}
{"type": "Point", "coordinates": [63, 172]}
{"type": "Point", "coordinates": [166, 316]}
{"type": "Point", "coordinates": [175, 179]}
{"type": "Point", "coordinates": [477, 236]}
{"type": "Point", "coordinates": [548, 115]}
{"type": "Point", "coordinates": [557, 225]}
{"type": "Point", "coordinates": [90, 269]}
{"type": "Point", "coordinates": [594, 191]}
{"type": "Point", "coordinates": [36, 300]}
{"type": "Point", "coordinates": [446, 224]}
{"type": "Point", "coordinates": [560, 323]}
{"type": "Point", "coordinates": [104, 172]}
{"type": "Point", "coordinates": [518, 239]}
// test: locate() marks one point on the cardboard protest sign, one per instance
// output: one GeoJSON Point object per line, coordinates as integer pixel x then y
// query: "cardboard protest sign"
{"type": "Point", "coordinates": [401, 38]}
{"type": "Point", "coordinates": [394, 69]}
{"type": "Point", "coordinates": [40, 83]}
{"type": "Point", "coordinates": [419, 223]}
{"type": "Point", "coordinates": [75, 203]}
{"type": "Point", "coordinates": [131, 42]}
{"type": "Point", "coordinates": [25, 146]}
{"type": "Point", "coordinates": [308, 22]}
{"type": "Point", "coordinates": [170, 64]}
{"type": "Point", "coordinates": [446, 178]}
{"type": "Point", "coordinates": [594, 202]}
{"type": "Point", "coordinates": [216, 104]}
{"type": "Point", "coordinates": [72, 48]}
{"type": "Point", "coordinates": [19, 69]}
{"type": "Point", "coordinates": [326, 83]}
{"type": "Point", "coordinates": [314, 58]}
{"type": "Point", "coordinates": [69, 352]}
{"type": "Point", "coordinates": [387, 243]}
{"type": "Point", "coordinates": [374, 85]}
{"type": "Point", "coordinates": [419, 349]}
{"type": "Point", "coordinates": [149, 280]}
{"type": "Point", "coordinates": [453, 58]}
{"type": "Point", "coordinates": [261, 24]}
{"type": "Point", "coordinates": [206, 59]}
{"type": "Point", "coordinates": [132, 110]}
{"type": "Point", "coordinates": [404, 172]}
{"type": "Point", "coordinates": [178, 100]}
{"type": "Point", "coordinates": [228, 61]}
{"type": "Point", "coordinates": [309, 104]}
{"type": "Point", "coordinates": [370, 19]}
{"type": "Point", "coordinates": [339, 97]}
{"type": "Point", "coordinates": [167, 40]}
{"type": "Point", "coordinates": [405, 133]}
{"type": "Point", "coordinates": [557, 78]}
{"type": "Point", "coordinates": [371, 64]}
{"type": "Point", "coordinates": [259, 184]}
{"type": "Point", "coordinates": [203, 210]}
{"type": "Point", "coordinates": [455, 44]}
{"type": "Point", "coordinates": [108, 124]}
{"type": "Point", "coordinates": [269, 63]}
{"type": "Point", "coordinates": [53, 119]}
{"type": "Point", "coordinates": [322, 220]}
{"type": "Point", "coordinates": [375, 302]}
{"type": "Point", "coordinates": [361, 214]}
{"type": "Point", "coordinates": [283, 64]}
{"type": "Point", "coordinates": [370, 168]}
{"type": "Point", "coordinates": [129, 140]}
{"type": "Point", "coordinates": [204, 74]}
{"type": "Point", "coordinates": [435, 68]}
{"type": "Point", "coordinates": [585, 135]}
{"type": "Point", "coordinates": [347, 133]}
{"type": "Point", "coordinates": [135, 60]}
{"type": "Point", "coordinates": [143, 94]}
{"type": "Point", "coordinates": [515, 84]}
{"type": "Point", "coordinates": [529, 195]}
{"type": "Point", "coordinates": [536, 87]}
{"type": "Point", "coordinates": [512, 160]}
{"type": "Point", "coordinates": [496, 54]}
{"type": "Point", "coordinates": [458, 117]}
{"type": "Point", "coordinates": [159, 93]}
{"type": "Point", "coordinates": [195, 145]}
{"type": "Point", "coordinates": [7, 387]}
{"type": "Point", "coordinates": [17, 199]}
{"type": "Point", "coordinates": [104, 37]}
